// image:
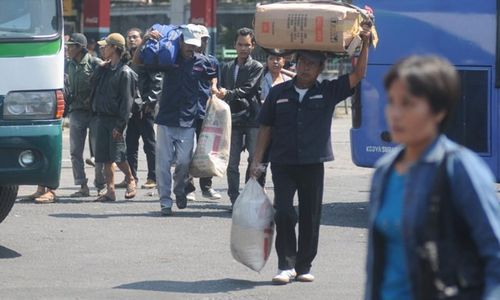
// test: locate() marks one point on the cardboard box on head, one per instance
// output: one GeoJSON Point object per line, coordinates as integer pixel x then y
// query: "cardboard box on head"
{"type": "Point", "coordinates": [306, 26]}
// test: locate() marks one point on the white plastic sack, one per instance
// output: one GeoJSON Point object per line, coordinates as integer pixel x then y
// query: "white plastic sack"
{"type": "Point", "coordinates": [252, 228]}
{"type": "Point", "coordinates": [212, 151]}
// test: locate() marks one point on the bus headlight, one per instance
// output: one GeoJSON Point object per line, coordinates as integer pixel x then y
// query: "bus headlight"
{"type": "Point", "coordinates": [26, 158]}
{"type": "Point", "coordinates": [29, 105]}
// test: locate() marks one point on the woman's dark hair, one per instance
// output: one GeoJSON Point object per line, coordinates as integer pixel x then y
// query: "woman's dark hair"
{"type": "Point", "coordinates": [430, 77]}
{"type": "Point", "coordinates": [245, 32]}
{"type": "Point", "coordinates": [125, 56]}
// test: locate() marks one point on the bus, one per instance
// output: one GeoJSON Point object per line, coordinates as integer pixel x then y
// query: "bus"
{"type": "Point", "coordinates": [31, 98]}
{"type": "Point", "coordinates": [466, 32]}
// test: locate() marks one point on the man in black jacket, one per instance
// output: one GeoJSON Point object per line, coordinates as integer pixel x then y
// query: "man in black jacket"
{"type": "Point", "coordinates": [240, 82]}
{"type": "Point", "coordinates": [141, 123]}
{"type": "Point", "coordinates": [114, 91]}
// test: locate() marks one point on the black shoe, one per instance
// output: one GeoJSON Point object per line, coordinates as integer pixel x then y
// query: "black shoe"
{"type": "Point", "coordinates": [181, 202]}
{"type": "Point", "coordinates": [90, 161]}
{"type": "Point", "coordinates": [166, 211]}
{"type": "Point", "coordinates": [211, 194]}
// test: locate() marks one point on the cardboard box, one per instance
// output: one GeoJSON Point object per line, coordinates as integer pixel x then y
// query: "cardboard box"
{"type": "Point", "coordinates": [306, 26]}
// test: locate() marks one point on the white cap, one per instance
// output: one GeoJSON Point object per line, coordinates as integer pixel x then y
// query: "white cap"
{"type": "Point", "coordinates": [191, 34]}
{"type": "Point", "coordinates": [204, 31]}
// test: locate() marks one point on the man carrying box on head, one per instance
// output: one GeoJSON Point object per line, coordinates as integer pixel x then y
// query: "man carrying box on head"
{"type": "Point", "coordinates": [295, 120]}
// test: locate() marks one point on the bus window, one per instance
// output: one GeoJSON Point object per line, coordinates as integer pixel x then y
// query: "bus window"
{"type": "Point", "coordinates": [27, 18]}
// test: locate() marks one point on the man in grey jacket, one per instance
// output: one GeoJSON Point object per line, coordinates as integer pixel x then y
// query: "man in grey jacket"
{"type": "Point", "coordinates": [114, 92]}
{"type": "Point", "coordinates": [240, 82]}
{"type": "Point", "coordinates": [80, 67]}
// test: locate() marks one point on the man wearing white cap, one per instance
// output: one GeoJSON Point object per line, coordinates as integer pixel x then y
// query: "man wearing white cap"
{"type": "Point", "coordinates": [205, 183]}
{"type": "Point", "coordinates": [178, 112]}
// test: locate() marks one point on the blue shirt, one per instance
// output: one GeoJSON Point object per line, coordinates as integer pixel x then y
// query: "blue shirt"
{"type": "Point", "coordinates": [205, 86]}
{"type": "Point", "coordinates": [301, 130]}
{"type": "Point", "coordinates": [474, 197]}
{"type": "Point", "coordinates": [395, 283]}
{"type": "Point", "coordinates": [182, 86]}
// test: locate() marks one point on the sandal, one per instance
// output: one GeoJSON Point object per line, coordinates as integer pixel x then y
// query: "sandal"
{"type": "Point", "coordinates": [105, 198]}
{"type": "Point", "coordinates": [131, 190]}
{"type": "Point", "coordinates": [48, 197]}
{"type": "Point", "coordinates": [35, 195]}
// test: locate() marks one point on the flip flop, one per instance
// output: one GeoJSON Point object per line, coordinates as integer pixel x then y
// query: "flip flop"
{"type": "Point", "coordinates": [131, 191]}
{"type": "Point", "coordinates": [48, 197]}
{"type": "Point", "coordinates": [104, 198]}
{"type": "Point", "coordinates": [34, 196]}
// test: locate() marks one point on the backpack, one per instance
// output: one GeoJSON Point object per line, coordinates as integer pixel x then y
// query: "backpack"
{"type": "Point", "coordinates": [163, 52]}
{"type": "Point", "coordinates": [449, 263]}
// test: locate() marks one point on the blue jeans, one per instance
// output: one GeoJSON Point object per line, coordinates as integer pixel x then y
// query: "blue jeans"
{"type": "Point", "coordinates": [173, 144]}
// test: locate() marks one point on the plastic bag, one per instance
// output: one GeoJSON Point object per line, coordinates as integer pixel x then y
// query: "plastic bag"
{"type": "Point", "coordinates": [212, 150]}
{"type": "Point", "coordinates": [252, 228]}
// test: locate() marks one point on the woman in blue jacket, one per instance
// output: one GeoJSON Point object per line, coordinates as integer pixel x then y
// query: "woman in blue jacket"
{"type": "Point", "coordinates": [434, 215]}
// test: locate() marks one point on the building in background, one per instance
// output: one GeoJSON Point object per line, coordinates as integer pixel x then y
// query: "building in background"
{"type": "Point", "coordinates": [96, 18]}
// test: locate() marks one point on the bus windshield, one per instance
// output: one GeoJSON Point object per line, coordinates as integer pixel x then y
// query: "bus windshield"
{"type": "Point", "coordinates": [21, 19]}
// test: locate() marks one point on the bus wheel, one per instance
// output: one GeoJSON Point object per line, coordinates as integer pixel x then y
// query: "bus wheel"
{"type": "Point", "coordinates": [8, 196]}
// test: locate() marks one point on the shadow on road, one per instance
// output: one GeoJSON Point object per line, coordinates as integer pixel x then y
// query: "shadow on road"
{"type": "Point", "coordinates": [193, 211]}
{"type": "Point", "coordinates": [68, 200]}
{"type": "Point", "coordinates": [103, 216]}
{"type": "Point", "coordinates": [195, 287]}
{"type": "Point", "coordinates": [345, 214]}
{"type": "Point", "coordinates": [8, 253]}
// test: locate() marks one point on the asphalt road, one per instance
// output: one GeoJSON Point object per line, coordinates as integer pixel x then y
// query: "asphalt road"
{"type": "Point", "coordinates": [77, 249]}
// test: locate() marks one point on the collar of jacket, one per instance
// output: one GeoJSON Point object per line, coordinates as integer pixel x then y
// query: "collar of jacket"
{"type": "Point", "coordinates": [432, 154]}
{"type": "Point", "coordinates": [290, 84]}
{"type": "Point", "coordinates": [85, 60]}
{"type": "Point", "coordinates": [247, 61]}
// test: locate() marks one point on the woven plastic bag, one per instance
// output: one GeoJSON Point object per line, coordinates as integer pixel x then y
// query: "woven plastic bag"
{"type": "Point", "coordinates": [212, 150]}
{"type": "Point", "coordinates": [252, 228]}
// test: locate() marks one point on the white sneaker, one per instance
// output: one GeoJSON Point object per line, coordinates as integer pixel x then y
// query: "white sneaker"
{"type": "Point", "coordinates": [284, 276]}
{"type": "Point", "coordinates": [305, 277]}
{"type": "Point", "coordinates": [191, 196]}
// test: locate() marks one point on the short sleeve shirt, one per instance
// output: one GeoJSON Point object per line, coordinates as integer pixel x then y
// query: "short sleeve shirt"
{"type": "Point", "coordinates": [183, 86]}
{"type": "Point", "coordinates": [301, 130]}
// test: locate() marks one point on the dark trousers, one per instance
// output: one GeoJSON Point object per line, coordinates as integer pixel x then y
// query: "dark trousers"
{"type": "Point", "coordinates": [307, 180]}
{"type": "Point", "coordinates": [141, 125]}
{"type": "Point", "coordinates": [206, 182]}
{"type": "Point", "coordinates": [241, 138]}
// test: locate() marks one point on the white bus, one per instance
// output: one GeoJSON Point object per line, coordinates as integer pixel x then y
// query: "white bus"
{"type": "Point", "coordinates": [31, 98]}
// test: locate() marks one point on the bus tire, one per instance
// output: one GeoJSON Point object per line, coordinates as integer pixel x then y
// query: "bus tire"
{"type": "Point", "coordinates": [8, 196]}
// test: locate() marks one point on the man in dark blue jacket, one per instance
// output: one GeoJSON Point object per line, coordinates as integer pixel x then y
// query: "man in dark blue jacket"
{"type": "Point", "coordinates": [178, 112]}
{"type": "Point", "coordinates": [206, 92]}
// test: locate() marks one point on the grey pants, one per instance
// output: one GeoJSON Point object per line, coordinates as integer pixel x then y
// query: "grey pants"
{"type": "Point", "coordinates": [173, 144]}
{"type": "Point", "coordinates": [80, 122]}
